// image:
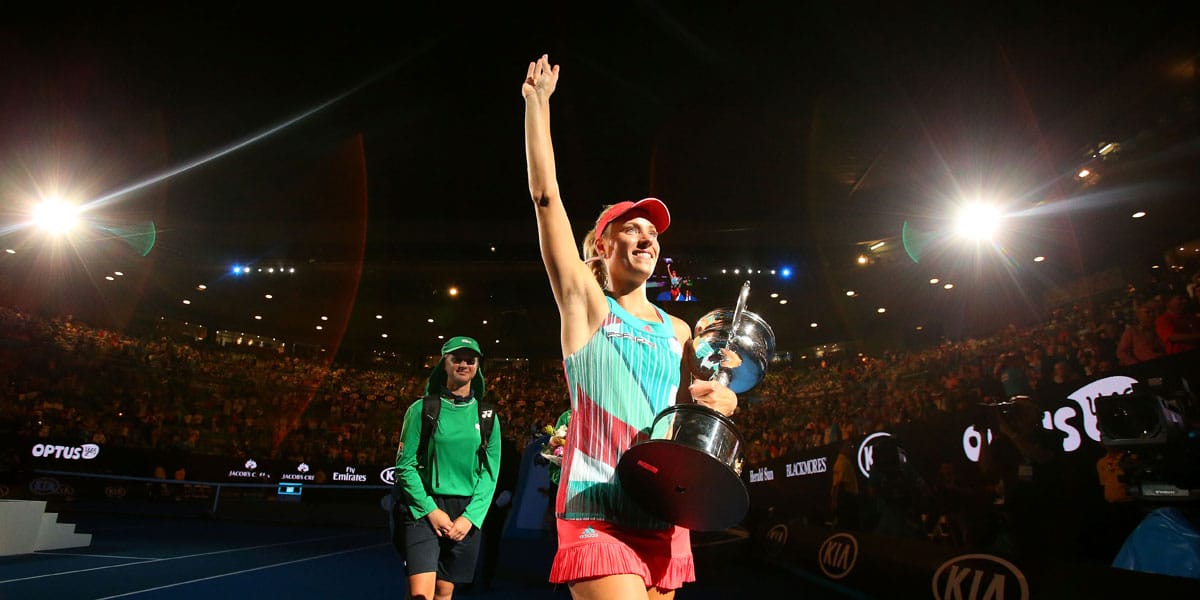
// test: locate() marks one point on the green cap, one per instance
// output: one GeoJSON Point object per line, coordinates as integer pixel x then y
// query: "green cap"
{"type": "Point", "coordinates": [460, 342]}
{"type": "Point", "coordinates": [437, 377]}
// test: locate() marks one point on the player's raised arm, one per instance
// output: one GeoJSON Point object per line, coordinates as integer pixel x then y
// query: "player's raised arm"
{"type": "Point", "coordinates": [574, 287]}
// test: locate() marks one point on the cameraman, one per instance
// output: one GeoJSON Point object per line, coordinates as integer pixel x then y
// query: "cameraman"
{"type": "Point", "coordinates": [1023, 462]}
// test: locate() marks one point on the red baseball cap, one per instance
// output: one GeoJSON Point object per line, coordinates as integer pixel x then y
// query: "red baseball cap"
{"type": "Point", "coordinates": [652, 208]}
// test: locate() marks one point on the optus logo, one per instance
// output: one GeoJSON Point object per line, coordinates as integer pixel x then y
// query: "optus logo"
{"type": "Point", "coordinates": [388, 475]}
{"type": "Point", "coordinates": [838, 554]}
{"type": "Point", "coordinates": [979, 577]}
{"type": "Point", "coordinates": [1073, 422]}
{"type": "Point", "coordinates": [85, 452]}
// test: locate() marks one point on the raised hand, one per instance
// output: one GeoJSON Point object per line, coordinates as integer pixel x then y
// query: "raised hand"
{"type": "Point", "coordinates": [540, 79]}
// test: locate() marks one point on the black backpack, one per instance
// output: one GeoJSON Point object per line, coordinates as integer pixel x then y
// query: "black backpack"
{"type": "Point", "coordinates": [431, 409]}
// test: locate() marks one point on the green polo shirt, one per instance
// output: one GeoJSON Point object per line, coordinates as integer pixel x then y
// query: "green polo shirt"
{"type": "Point", "coordinates": [456, 468]}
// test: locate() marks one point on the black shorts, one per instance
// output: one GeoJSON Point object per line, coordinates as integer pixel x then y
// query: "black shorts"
{"type": "Point", "coordinates": [426, 552]}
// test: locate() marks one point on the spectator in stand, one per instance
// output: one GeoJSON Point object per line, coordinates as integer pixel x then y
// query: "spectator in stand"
{"type": "Point", "coordinates": [1179, 326]}
{"type": "Point", "coordinates": [843, 496]}
{"type": "Point", "coordinates": [1010, 370]}
{"type": "Point", "coordinates": [1065, 372]}
{"type": "Point", "coordinates": [1139, 342]}
{"type": "Point", "coordinates": [1193, 286]}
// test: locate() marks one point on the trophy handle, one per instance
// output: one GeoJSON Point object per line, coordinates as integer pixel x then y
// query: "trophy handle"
{"type": "Point", "coordinates": [725, 374]}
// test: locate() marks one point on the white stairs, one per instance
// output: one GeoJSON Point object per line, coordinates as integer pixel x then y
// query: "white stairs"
{"type": "Point", "coordinates": [26, 527]}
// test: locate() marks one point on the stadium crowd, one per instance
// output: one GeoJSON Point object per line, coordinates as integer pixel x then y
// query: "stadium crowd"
{"type": "Point", "coordinates": [66, 382]}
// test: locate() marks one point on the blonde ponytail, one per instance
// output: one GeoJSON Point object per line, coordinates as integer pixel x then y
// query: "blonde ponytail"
{"type": "Point", "coordinates": [594, 261]}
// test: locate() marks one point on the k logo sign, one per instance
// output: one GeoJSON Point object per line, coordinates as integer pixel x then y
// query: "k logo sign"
{"type": "Point", "coordinates": [838, 554]}
{"type": "Point", "coordinates": [979, 577]}
{"type": "Point", "coordinates": [866, 452]}
{"type": "Point", "coordinates": [388, 475]}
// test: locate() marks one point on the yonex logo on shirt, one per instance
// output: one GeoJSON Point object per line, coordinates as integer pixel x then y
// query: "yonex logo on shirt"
{"type": "Point", "coordinates": [588, 533]}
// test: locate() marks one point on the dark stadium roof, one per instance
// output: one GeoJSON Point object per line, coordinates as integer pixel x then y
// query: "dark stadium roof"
{"type": "Point", "coordinates": [378, 152]}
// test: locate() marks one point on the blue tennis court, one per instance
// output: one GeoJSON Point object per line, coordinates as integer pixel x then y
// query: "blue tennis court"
{"type": "Point", "coordinates": [144, 557]}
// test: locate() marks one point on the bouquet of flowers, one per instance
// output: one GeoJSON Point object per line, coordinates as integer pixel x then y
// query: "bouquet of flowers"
{"type": "Point", "coordinates": [553, 449]}
{"type": "Point", "coordinates": [556, 445]}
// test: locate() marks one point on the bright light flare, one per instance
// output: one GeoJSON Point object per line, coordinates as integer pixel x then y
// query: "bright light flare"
{"type": "Point", "coordinates": [977, 222]}
{"type": "Point", "coordinates": [56, 216]}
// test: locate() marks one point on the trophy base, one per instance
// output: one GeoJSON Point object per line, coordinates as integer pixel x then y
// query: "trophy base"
{"type": "Point", "coordinates": [683, 485]}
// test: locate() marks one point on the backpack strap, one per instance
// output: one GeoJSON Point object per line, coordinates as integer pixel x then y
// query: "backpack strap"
{"type": "Point", "coordinates": [431, 409]}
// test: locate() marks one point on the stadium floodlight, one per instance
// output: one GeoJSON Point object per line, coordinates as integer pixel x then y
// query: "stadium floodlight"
{"type": "Point", "coordinates": [977, 221]}
{"type": "Point", "coordinates": [56, 216]}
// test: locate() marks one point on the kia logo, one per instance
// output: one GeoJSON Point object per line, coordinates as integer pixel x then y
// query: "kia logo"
{"type": "Point", "coordinates": [837, 555]}
{"type": "Point", "coordinates": [979, 576]}
{"type": "Point", "coordinates": [44, 486]}
{"type": "Point", "coordinates": [388, 475]}
{"type": "Point", "coordinates": [115, 491]}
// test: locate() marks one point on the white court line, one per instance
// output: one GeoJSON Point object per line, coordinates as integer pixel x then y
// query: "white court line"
{"type": "Point", "coordinates": [154, 560]}
{"type": "Point", "coordinates": [289, 562]}
{"type": "Point", "coordinates": [84, 554]}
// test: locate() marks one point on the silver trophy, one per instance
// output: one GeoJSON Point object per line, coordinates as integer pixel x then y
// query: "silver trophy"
{"type": "Point", "coordinates": [689, 471]}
